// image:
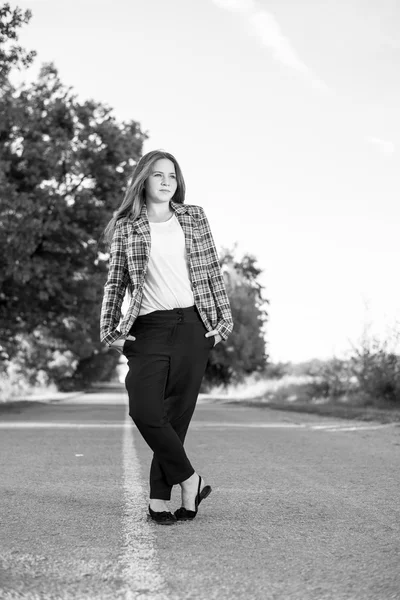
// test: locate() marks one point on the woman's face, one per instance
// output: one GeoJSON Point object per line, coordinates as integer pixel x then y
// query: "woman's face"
{"type": "Point", "coordinates": [161, 184]}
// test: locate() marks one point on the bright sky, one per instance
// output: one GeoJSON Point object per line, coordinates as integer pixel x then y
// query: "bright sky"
{"type": "Point", "coordinates": [284, 117]}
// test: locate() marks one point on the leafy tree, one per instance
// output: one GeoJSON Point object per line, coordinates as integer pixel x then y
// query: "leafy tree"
{"type": "Point", "coordinates": [12, 55]}
{"type": "Point", "coordinates": [63, 168]}
{"type": "Point", "coordinates": [244, 352]}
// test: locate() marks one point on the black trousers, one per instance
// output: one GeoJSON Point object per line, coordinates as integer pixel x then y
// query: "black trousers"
{"type": "Point", "coordinates": [166, 366]}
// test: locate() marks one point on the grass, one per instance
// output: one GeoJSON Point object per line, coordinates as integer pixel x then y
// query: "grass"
{"type": "Point", "coordinates": [17, 390]}
{"type": "Point", "coordinates": [294, 393]}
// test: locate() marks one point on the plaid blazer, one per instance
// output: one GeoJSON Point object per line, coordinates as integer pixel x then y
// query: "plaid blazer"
{"type": "Point", "coordinates": [129, 256]}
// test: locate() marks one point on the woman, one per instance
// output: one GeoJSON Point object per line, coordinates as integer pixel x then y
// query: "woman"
{"type": "Point", "coordinates": [163, 252]}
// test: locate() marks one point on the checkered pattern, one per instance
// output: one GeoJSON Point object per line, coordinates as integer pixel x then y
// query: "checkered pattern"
{"type": "Point", "coordinates": [129, 256]}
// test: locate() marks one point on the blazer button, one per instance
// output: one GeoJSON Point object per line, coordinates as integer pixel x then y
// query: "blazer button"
{"type": "Point", "coordinates": [194, 284]}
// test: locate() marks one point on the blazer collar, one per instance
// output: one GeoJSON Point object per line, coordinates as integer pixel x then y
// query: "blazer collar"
{"type": "Point", "coordinates": [141, 222]}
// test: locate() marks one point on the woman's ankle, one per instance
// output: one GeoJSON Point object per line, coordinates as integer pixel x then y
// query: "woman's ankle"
{"type": "Point", "coordinates": [189, 481]}
{"type": "Point", "coordinates": [158, 504]}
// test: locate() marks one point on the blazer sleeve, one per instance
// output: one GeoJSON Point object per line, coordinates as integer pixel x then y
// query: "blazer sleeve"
{"type": "Point", "coordinates": [216, 280]}
{"type": "Point", "coordinates": [114, 289]}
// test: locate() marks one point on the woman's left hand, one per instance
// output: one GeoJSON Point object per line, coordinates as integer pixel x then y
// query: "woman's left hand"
{"type": "Point", "coordinates": [218, 338]}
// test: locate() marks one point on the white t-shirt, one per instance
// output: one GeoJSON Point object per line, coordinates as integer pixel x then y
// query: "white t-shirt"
{"type": "Point", "coordinates": [167, 283]}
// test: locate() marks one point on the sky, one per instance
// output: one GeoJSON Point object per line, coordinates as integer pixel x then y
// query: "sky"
{"type": "Point", "coordinates": [284, 118]}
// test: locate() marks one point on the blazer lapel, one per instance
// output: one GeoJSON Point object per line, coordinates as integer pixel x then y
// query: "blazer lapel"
{"type": "Point", "coordinates": [141, 224]}
{"type": "Point", "coordinates": [186, 223]}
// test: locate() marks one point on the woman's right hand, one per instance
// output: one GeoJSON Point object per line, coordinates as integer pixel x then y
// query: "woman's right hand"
{"type": "Point", "coordinates": [118, 345]}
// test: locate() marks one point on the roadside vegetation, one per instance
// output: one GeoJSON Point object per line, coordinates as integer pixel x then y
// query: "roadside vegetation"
{"type": "Point", "coordinates": [365, 384]}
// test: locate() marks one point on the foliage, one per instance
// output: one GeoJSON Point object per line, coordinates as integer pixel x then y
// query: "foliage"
{"type": "Point", "coordinates": [12, 56]}
{"type": "Point", "coordinates": [277, 370]}
{"type": "Point", "coordinates": [375, 364]}
{"type": "Point", "coordinates": [244, 352]}
{"type": "Point", "coordinates": [331, 379]}
{"type": "Point", "coordinates": [63, 168]}
{"type": "Point", "coordinates": [370, 375]}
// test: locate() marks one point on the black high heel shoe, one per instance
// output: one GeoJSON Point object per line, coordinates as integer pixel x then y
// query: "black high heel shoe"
{"type": "Point", "coordinates": [163, 518]}
{"type": "Point", "coordinates": [184, 514]}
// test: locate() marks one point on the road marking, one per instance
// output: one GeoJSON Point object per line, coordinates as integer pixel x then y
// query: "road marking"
{"type": "Point", "coordinates": [257, 425]}
{"type": "Point", "coordinates": [328, 427]}
{"type": "Point", "coordinates": [358, 427]}
{"type": "Point", "coordinates": [141, 570]}
{"type": "Point", "coordinates": [305, 426]}
{"type": "Point", "coordinates": [324, 426]}
{"type": "Point", "coordinates": [60, 425]}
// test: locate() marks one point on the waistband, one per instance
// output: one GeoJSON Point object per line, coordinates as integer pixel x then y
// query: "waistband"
{"type": "Point", "coordinates": [187, 313]}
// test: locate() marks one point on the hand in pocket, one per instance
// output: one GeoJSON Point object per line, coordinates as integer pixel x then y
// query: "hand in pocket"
{"type": "Point", "coordinates": [118, 345]}
{"type": "Point", "coordinates": [215, 333]}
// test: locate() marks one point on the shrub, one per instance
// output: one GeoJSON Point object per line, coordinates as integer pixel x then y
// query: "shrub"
{"type": "Point", "coordinates": [377, 370]}
{"type": "Point", "coordinates": [369, 376]}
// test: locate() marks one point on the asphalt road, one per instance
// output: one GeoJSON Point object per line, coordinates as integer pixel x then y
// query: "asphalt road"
{"type": "Point", "coordinates": [302, 507]}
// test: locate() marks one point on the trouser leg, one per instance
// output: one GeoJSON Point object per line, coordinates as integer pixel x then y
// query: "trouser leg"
{"type": "Point", "coordinates": [159, 487]}
{"type": "Point", "coordinates": [145, 384]}
{"type": "Point", "coordinates": [188, 363]}
{"type": "Point", "coordinates": [166, 366]}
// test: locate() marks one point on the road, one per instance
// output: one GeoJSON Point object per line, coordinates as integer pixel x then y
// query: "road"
{"type": "Point", "coordinates": [302, 508]}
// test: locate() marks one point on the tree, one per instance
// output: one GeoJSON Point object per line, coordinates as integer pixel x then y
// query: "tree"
{"type": "Point", "coordinates": [63, 170]}
{"type": "Point", "coordinates": [12, 56]}
{"type": "Point", "coordinates": [244, 352]}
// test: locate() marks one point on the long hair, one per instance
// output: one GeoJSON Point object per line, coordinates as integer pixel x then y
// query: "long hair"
{"type": "Point", "coordinates": [135, 193]}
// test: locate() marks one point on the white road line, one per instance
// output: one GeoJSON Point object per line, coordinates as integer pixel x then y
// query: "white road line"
{"type": "Point", "coordinates": [324, 426]}
{"type": "Point", "coordinates": [140, 564]}
{"type": "Point", "coordinates": [257, 425]}
{"type": "Point", "coordinates": [304, 426]}
{"type": "Point", "coordinates": [359, 427]}
{"type": "Point", "coordinates": [60, 425]}
{"type": "Point", "coordinates": [196, 425]}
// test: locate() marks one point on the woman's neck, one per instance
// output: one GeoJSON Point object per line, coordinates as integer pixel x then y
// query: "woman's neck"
{"type": "Point", "coordinates": [158, 212]}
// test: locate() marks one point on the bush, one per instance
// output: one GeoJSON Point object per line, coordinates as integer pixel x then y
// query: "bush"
{"type": "Point", "coordinates": [332, 379]}
{"type": "Point", "coordinates": [370, 376]}
{"type": "Point", "coordinates": [277, 370]}
{"type": "Point", "coordinates": [377, 370]}
{"type": "Point", "coordinates": [16, 381]}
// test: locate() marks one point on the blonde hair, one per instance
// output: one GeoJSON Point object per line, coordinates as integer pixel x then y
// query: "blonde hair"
{"type": "Point", "coordinates": [135, 194]}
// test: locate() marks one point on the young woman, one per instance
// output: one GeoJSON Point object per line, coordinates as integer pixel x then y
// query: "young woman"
{"type": "Point", "coordinates": [162, 252]}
